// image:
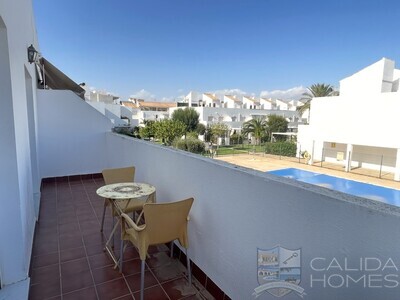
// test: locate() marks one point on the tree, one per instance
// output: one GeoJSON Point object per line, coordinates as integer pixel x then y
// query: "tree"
{"type": "Point", "coordinates": [201, 129]}
{"type": "Point", "coordinates": [315, 91]}
{"type": "Point", "coordinates": [236, 138]}
{"type": "Point", "coordinates": [188, 116]}
{"type": "Point", "coordinates": [217, 130]}
{"type": "Point", "coordinates": [256, 127]}
{"type": "Point", "coordinates": [276, 124]}
{"type": "Point", "coordinates": [148, 130]}
{"type": "Point", "coordinates": [168, 130]}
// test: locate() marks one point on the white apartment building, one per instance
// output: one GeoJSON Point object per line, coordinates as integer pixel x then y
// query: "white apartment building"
{"type": "Point", "coordinates": [358, 128]}
{"type": "Point", "coordinates": [251, 102]}
{"type": "Point", "coordinates": [100, 96]}
{"type": "Point", "coordinates": [267, 103]}
{"type": "Point", "coordinates": [281, 105]}
{"type": "Point", "coordinates": [231, 101]}
{"type": "Point", "coordinates": [234, 110]}
{"type": "Point", "coordinates": [210, 100]}
{"type": "Point", "coordinates": [109, 105]}
{"type": "Point", "coordinates": [142, 110]}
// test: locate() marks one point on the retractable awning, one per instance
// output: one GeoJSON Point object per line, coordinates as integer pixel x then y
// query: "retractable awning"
{"type": "Point", "coordinates": [54, 79]}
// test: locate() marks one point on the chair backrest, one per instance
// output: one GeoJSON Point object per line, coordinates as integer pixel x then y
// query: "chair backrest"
{"type": "Point", "coordinates": [166, 222]}
{"type": "Point", "coordinates": [119, 175]}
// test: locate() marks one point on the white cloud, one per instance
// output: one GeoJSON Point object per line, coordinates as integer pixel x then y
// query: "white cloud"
{"type": "Point", "coordinates": [148, 96]}
{"type": "Point", "coordinates": [100, 91]}
{"type": "Point", "coordinates": [294, 93]}
{"type": "Point", "coordinates": [143, 94]}
{"type": "Point", "coordinates": [166, 99]}
{"type": "Point", "coordinates": [230, 92]}
{"type": "Point", "coordinates": [179, 98]}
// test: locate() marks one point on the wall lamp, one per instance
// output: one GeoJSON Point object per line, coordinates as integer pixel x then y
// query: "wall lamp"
{"type": "Point", "coordinates": [32, 54]}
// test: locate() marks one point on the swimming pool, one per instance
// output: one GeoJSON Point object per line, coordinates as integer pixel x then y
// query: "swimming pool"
{"type": "Point", "coordinates": [374, 192]}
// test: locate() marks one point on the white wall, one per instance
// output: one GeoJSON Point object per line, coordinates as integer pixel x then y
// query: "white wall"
{"type": "Point", "coordinates": [153, 115]}
{"type": "Point", "coordinates": [343, 119]}
{"type": "Point", "coordinates": [111, 111]}
{"type": "Point", "coordinates": [281, 105]}
{"type": "Point", "coordinates": [230, 103]}
{"type": "Point", "coordinates": [19, 185]}
{"type": "Point", "coordinates": [127, 112]}
{"type": "Point", "coordinates": [70, 130]}
{"type": "Point", "coordinates": [237, 211]}
{"type": "Point", "coordinates": [373, 157]}
{"type": "Point", "coordinates": [362, 114]}
{"type": "Point", "coordinates": [365, 115]}
{"type": "Point", "coordinates": [193, 98]}
{"type": "Point", "coordinates": [373, 79]}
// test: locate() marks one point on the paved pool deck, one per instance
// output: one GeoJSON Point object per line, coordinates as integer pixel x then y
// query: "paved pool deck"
{"type": "Point", "coordinates": [265, 163]}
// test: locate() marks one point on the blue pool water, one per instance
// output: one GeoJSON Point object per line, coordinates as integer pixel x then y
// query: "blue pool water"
{"type": "Point", "coordinates": [374, 192]}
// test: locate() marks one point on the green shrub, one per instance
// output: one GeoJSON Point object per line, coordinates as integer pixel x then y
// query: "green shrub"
{"type": "Point", "coordinates": [195, 145]}
{"type": "Point", "coordinates": [190, 144]}
{"type": "Point", "coordinates": [281, 148]}
{"type": "Point", "coordinates": [179, 144]}
{"type": "Point", "coordinates": [192, 134]}
{"type": "Point", "coordinates": [236, 139]}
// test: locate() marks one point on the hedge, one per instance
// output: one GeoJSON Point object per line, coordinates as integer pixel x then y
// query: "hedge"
{"type": "Point", "coordinates": [190, 144]}
{"type": "Point", "coordinates": [281, 148]}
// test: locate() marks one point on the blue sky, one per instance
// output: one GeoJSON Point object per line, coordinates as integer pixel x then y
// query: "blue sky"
{"type": "Point", "coordinates": [162, 49]}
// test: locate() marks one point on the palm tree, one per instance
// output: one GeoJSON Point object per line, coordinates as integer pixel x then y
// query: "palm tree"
{"type": "Point", "coordinates": [316, 90]}
{"type": "Point", "coordinates": [257, 127]}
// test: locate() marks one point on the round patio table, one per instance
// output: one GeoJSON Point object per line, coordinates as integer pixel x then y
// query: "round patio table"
{"type": "Point", "coordinates": [121, 194]}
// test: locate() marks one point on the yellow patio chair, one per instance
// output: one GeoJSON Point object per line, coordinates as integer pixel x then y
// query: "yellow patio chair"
{"type": "Point", "coordinates": [119, 175]}
{"type": "Point", "coordinates": [164, 222]}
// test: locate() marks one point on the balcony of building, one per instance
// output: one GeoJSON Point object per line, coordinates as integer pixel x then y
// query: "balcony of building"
{"type": "Point", "coordinates": [236, 212]}
{"type": "Point", "coordinates": [69, 261]}
{"type": "Point", "coordinates": [54, 145]}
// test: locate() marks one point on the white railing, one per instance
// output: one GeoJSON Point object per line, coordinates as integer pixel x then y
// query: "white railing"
{"type": "Point", "coordinates": [237, 211]}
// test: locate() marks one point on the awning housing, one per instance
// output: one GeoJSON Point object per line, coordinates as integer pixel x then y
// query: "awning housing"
{"type": "Point", "coordinates": [54, 79]}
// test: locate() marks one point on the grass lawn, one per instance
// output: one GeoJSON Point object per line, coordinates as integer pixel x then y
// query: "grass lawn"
{"type": "Point", "coordinates": [239, 149]}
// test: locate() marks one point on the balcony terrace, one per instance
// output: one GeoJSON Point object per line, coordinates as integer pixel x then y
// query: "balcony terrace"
{"type": "Point", "coordinates": [68, 261]}
{"type": "Point", "coordinates": [51, 138]}
{"type": "Point", "coordinates": [236, 211]}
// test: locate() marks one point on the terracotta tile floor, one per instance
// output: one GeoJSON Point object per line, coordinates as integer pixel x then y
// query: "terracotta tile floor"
{"type": "Point", "coordinates": [68, 261]}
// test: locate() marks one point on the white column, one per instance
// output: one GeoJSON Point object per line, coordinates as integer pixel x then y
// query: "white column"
{"type": "Point", "coordinates": [397, 169]}
{"type": "Point", "coordinates": [311, 160]}
{"type": "Point", "coordinates": [349, 153]}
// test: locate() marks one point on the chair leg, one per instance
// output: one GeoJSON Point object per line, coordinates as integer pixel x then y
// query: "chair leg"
{"type": "Point", "coordinates": [113, 237]}
{"type": "Point", "coordinates": [142, 280]}
{"type": "Point", "coordinates": [188, 267]}
{"type": "Point", "coordinates": [104, 214]}
{"type": "Point", "coordinates": [121, 255]}
{"type": "Point", "coordinates": [172, 249]}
